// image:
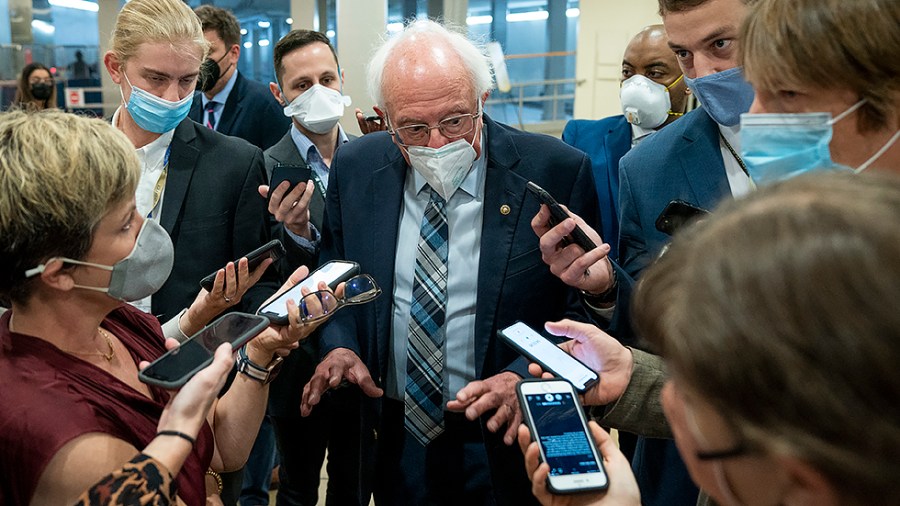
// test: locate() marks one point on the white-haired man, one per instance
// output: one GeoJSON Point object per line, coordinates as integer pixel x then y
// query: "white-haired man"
{"type": "Point", "coordinates": [436, 210]}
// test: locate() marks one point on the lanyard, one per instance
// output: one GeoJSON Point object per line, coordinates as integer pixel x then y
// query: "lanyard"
{"type": "Point", "coordinates": [734, 154]}
{"type": "Point", "coordinates": [160, 183]}
{"type": "Point", "coordinates": [318, 182]}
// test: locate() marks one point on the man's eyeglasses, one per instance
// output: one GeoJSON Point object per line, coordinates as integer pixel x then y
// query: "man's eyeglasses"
{"type": "Point", "coordinates": [451, 128]}
{"type": "Point", "coordinates": [357, 290]}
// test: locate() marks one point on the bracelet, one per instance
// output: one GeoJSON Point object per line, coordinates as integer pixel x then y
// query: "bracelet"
{"type": "Point", "coordinates": [218, 477]}
{"type": "Point", "coordinates": [175, 433]}
{"type": "Point", "coordinates": [607, 296]}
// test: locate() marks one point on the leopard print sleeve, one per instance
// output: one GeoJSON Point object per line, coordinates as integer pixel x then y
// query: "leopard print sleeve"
{"type": "Point", "coordinates": [141, 482]}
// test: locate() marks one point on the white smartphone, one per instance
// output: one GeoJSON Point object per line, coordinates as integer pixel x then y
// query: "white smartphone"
{"type": "Point", "coordinates": [332, 273]}
{"type": "Point", "coordinates": [557, 422]}
{"type": "Point", "coordinates": [551, 357]}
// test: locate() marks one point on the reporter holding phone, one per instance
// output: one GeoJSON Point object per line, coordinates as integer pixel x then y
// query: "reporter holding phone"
{"type": "Point", "coordinates": [74, 251]}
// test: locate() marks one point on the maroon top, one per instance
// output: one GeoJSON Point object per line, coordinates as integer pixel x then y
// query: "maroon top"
{"type": "Point", "coordinates": [49, 398]}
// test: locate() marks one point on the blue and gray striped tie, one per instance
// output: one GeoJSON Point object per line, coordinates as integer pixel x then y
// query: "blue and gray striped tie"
{"type": "Point", "coordinates": [425, 351]}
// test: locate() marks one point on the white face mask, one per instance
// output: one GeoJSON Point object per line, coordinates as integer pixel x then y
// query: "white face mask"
{"type": "Point", "coordinates": [646, 103]}
{"type": "Point", "coordinates": [318, 109]}
{"type": "Point", "coordinates": [445, 167]}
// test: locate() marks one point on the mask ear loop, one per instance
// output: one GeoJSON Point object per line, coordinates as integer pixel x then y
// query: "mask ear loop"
{"type": "Point", "coordinates": [878, 154]}
{"type": "Point", "coordinates": [668, 88]}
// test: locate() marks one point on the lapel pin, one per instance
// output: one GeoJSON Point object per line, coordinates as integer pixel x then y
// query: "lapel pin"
{"type": "Point", "coordinates": [504, 209]}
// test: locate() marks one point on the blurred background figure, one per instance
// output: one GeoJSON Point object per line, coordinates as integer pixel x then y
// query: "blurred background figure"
{"type": "Point", "coordinates": [37, 88]}
{"type": "Point", "coordinates": [79, 69]}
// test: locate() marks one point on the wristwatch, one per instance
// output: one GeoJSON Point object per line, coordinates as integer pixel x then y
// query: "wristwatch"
{"type": "Point", "coordinates": [256, 372]}
{"type": "Point", "coordinates": [607, 297]}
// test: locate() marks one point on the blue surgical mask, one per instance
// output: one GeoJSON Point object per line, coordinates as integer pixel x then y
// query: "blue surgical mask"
{"type": "Point", "coordinates": [780, 146]}
{"type": "Point", "coordinates": [155, 114]}
{"type": "Point", "coordinates": [724, 95]}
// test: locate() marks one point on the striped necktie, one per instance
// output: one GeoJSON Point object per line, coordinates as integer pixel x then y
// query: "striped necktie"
{"type": "Point", "coordinates": [211, 114]}
{"type": "Point", "coordinates": [424, 408]}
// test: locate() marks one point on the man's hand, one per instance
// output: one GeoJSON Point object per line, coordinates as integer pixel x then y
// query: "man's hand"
{"type": "Point", "coordinates": [369, 124]}
{"type": "Point", "coordinates": [622, 491]}
{"type": "Point", "coordinates": [497, 392]}
{"type": "Point", "coordinates": [291, 207]}
{"type": "Point", "coordinates": [599, 351]}
{"type": "Point", "coordinates": [339, 364]}
{"type": "Point", "coordinates": [591, 271]}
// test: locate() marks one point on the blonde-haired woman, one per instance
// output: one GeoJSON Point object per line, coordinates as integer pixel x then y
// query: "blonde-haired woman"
{"type": "Point", "coordinates": [74, 249]}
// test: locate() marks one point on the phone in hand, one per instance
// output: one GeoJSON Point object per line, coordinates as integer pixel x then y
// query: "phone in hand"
{"type": "Point", "coordinates": [551, 357]}
{"type": "Point", "coordinates": [558, 215]}
{"type": "Point", "coordinates": [177, 366]}
{"type": "Point", "coordinates": [272, 249]}
{"type": "Point", "coordinates": [557, 422]}
{"type": "Point", "coordinates": [677, 214]}
{"type": "Point", "coordinates": [295, 174]}
{"type": "Point", "coordinates": [332, 273]}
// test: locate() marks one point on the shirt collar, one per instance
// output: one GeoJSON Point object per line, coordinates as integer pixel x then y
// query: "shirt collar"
{"type": "Point", "coordinates": [221, 96]}
{"type": "Point", "coordinates": [163, 140]}
{"type": "Point", "coordinates": [470, 184]}
{"type": "Point", "coordinates": [304, 144]}
{"type": "Point", "coordinates": [639, 133]}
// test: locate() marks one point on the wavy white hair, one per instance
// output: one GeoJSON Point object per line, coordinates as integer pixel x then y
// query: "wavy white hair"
{"type": "Point", "coordinates": [473, 55]}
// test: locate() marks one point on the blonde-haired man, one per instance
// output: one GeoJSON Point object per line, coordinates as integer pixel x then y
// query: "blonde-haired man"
{"type": "Point", "coordinates": [199, 185]}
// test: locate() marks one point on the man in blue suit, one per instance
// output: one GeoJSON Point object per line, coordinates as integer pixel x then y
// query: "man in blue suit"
{"type": "Point", "coordinates": [230, 103]}
{"type": "Point", "coordinates": [437, 212]}
{"type": "Point", "coordinates": [648, 108]}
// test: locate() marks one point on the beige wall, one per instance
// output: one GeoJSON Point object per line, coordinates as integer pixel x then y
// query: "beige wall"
{"type": "Point", "coordinates": [605, 28]}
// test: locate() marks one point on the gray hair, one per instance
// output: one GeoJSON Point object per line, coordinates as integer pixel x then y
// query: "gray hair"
{"type": "Point", "coordinates": [474, 56]}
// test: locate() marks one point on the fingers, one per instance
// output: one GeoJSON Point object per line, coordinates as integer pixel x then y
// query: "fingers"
{"type": "Point", "coordinates": [535, 370]}
{"type": "Point", "coordinates": [510, 437]}
{"type": "Point", "coordinates": [277, 195]}
{"type": "Point", "coordinates": [172, 343]}
{"type": "Point", "coordinates": [541, 221]}
{"type": "Point", "coordinates": [523, 436]}
{"type": "Point", "coordinates": [365, 382]}
{"type": "Point", "coordinates": [263, 190]}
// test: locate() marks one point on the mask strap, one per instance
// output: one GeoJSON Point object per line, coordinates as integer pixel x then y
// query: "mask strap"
{"type": "Point", "coordinates": [880, 152]}
{"type": "Point", "coordinates": [669, 87]}
{"type": "Point", "coordinates": [34, 271]}
{"type": "Point", "coordinates": [850, 110]}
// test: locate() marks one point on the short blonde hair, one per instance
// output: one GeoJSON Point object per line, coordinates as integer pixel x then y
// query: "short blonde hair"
{"type": "Point", "coordinates": [59, 175]}
{"type": "Point", "coordinates": [780, 311]}
{"type": "Point", "coordinates": [830, 44]}
{"type": "Point", "coordinates": [171, 21]}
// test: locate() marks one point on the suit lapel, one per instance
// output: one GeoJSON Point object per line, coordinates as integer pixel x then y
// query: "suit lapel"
{"type": "Point", "coordinates": [618, 142]}
{"type": "Point", "coordinates": [502, 187]}
{"type": "Point", "coordinates": [182, 160]}
{"type": "Point", "coordinates": [701, 160]}
{"type": "Point", "coordinates": [232, 108]}
{"type": "Point", "coordinates": [196, 112]}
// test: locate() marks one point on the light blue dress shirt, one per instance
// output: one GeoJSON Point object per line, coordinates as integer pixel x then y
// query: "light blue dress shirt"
{"type": "Point", "coordinates": [310, 154]}
{"type": "Point", "coordinates": [220, 99]}
{"type": "Point", "coordinates": [464, 220]}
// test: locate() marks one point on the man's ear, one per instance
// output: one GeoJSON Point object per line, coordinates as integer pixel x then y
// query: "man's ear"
{"type": "Point", "coordinates": [378, 111]}
{"type": "Point", "coordinates": [484, 98]}
{"type": "Point", "coordinates": [55, 275]}
{"type": "Point", "coordinates": [807, 485]}
{"type": "Point", "coordinates": [276, 92]}
{"type": "Point", "coordinates": [236, 50]}
{"type": "Point", "coordinates": [113, 66]}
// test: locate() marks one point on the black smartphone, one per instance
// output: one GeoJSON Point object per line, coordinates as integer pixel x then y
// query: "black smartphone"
{"type": "Point", "coordinates": [677, 214]}
{"type": "Point", "coordinates": [295, 174]}
{"type": "Point", "coordinates": [558, 215]}
{"type": "Point", "coordinates": [332, 273]}
{"type": "Point", "coordinates": [272, 249]}
{"type": "Point", "coordinates": [177, 366]}
{"type": "Point", "coordinates": [557, 422]}
{"type": "Point", "coordinates": [551, 357]}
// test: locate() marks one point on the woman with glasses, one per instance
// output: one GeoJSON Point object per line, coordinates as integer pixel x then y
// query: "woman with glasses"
{"type": "Point", "coordinates": [37, 88]}
{"type": "Point", "coordinates": [778, 323]}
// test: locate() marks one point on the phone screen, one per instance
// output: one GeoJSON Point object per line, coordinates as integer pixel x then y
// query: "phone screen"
{"type": "Point", "coordinates": [550, 356]}
{"type": "Point", "coordinates": [331, 273]}
{"type": "Point", "coordinates": [567, 449]}
{"type": "Point", "coordinates": [178, 365]}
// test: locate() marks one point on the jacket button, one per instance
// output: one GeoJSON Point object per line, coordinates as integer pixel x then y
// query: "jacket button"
{"type": "Point", "coordinates": [375, 434]}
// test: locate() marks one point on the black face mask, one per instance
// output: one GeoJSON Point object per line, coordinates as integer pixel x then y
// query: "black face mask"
{"type": "Point", "coordinates": [209, 74]}
{"type": "Point", "coordinates": [41, 91]}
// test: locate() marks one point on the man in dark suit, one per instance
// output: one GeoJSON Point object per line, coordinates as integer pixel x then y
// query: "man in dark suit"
{"type": "Point", "coordinates": [233, 105]}
{"type": "Point", "coordinates": [441, 432]}
{"type": "Point", "coordinates": [305, 63]}
{"type": "Point", "coordinates": [649, 108]}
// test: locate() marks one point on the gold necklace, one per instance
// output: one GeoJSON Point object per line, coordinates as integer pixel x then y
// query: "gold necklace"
{"type": "Point", "coordinates": [108, 356]}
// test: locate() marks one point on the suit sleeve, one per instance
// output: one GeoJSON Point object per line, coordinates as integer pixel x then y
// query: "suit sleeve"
{"type": "Point", "coordinates": [570, 133]}
{"type": "Point", "coordinates": [251, 230]}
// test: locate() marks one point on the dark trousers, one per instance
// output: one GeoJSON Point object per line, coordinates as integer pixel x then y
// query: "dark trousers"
{"type": "Point", "coordinates": [661, 474]}
{"type": "Point", "coordinates": [452, 469]}
{"type": "Point", "coordinates": [333, 424]}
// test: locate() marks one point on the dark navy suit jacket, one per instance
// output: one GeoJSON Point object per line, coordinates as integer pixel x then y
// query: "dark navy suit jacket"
{"type": "Point", "coordinates": [605, 141]}
{"type": "Point", "coordinates": [362, 216]}
{"type": "Point", "coordinates": [250, 112]}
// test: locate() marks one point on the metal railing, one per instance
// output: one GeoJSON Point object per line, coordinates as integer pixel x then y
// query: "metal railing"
{"type": "Point", "coordinates": [553, 97]}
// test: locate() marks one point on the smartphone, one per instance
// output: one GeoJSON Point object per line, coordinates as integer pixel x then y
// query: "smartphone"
{"type": "Point", "coordinates": [332, 273]}
{"type": "Point", "coordinates": [551, 357]}
{"type": "Point", "coordinates": [557, 422]}
{"type": "Point", "coordinates": [178, 365]}
{"type": "Point", "coordinates": [272, 249]}
{"type": "Point", "coordinates": [677, 214]}
{"type": "Point", "coordinates": [295, 174]}
{"type": "Point", "coordinates": [558, 215]}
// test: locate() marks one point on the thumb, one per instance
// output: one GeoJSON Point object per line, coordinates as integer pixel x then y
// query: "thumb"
{"type": "Point", "coordinates": [263, 190]}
